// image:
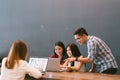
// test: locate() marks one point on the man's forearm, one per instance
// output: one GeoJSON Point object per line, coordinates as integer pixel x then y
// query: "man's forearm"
{"type": "Point", "coordinates": [84, 60]}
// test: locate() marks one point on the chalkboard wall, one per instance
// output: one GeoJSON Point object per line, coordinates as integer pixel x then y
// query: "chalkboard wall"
{"type": "Point", "coordinates": [43, 22]}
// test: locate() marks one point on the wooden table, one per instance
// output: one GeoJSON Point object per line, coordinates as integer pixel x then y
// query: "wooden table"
{"type": "Point", "coordinates": [76, 76]}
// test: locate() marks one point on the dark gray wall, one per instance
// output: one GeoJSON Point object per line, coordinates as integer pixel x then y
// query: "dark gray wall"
{"type": "Point", "coordinates": [43, 22]}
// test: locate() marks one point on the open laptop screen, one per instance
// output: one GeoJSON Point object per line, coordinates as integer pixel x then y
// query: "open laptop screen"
{"type": "Point", "coordinates": [39, 63]}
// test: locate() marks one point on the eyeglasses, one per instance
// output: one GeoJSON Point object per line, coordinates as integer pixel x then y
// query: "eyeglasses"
{"type": "Point", "coordinates": [79, 38]}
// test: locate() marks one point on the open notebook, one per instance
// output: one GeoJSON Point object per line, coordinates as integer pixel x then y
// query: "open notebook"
{"type": "Point", "coordinates": [39, 63]}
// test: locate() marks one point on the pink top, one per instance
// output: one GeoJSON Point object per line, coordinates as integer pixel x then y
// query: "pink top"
{"type": "Point", "coordinates": [53, 56]}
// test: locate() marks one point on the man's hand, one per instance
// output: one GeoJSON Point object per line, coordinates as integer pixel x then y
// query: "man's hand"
{"type": "Point", "coordinates": [71, 59]}
{"type": "Point", "coordinates": [92, 68]}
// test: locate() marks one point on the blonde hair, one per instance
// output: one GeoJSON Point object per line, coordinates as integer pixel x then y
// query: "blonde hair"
{"type": "Point", "coordinates": [18, 51]}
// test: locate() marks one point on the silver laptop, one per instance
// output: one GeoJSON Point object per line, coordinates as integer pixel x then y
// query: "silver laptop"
{"type": "Point", "coordinates": [39, 63]}
{"type": "Point", "coordinates": [53, 64]}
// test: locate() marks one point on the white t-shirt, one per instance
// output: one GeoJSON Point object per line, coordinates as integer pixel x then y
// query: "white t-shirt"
{"type": "Point", "coordinates": [19, 72]}
{"type": "Point", "coordinates": [82, 68]}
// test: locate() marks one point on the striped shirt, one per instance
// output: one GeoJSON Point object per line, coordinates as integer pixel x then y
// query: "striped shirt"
{"type": "Point", "coordinates": [100, 53]}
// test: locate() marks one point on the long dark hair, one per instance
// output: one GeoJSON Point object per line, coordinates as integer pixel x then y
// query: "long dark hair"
{"type": "Point", "coordinates": [64, 54]}
{"type": "Point", "coordinates": [74, 49]}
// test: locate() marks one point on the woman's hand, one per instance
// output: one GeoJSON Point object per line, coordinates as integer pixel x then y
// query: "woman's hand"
{"type": "Point", "coordinates": [68, 69]}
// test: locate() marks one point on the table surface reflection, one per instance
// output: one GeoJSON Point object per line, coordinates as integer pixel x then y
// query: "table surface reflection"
{"type": "Point", "coordinates": [76, 76]}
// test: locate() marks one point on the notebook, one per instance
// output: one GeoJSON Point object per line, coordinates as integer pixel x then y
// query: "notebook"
{"type": "Point", "coordinates": [53, 64]}
{"type": "Point", "coordinates": [39, 63]}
